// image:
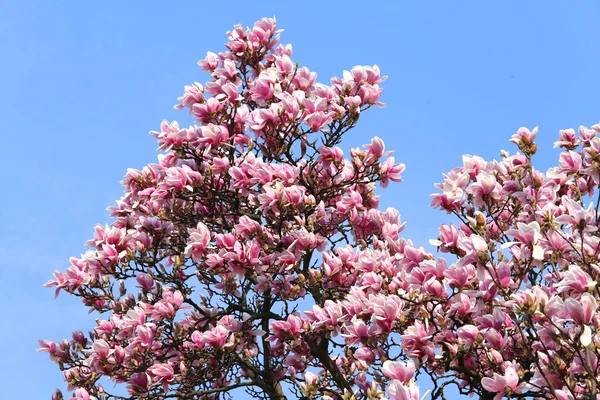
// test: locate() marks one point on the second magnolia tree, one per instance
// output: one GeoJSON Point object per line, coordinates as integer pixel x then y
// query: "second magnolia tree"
{"type": "Point", "coordinates": [262, 261]}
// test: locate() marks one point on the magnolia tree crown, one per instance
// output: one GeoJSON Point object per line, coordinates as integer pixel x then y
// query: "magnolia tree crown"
{"type": "Point", "coordinates": [253, 256]}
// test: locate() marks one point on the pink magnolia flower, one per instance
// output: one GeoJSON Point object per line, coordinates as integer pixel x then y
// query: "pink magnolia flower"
{"type": "Point", "coordinates": [526, 233]}
{"type": "Point", "coordinates": [570, 161]}
{"type": "Point", "coordinates": [193, 94]}
{"type": "Point", "coordinates": [582, 310]}
{"type": "Point", "coordinates": [48, 346]}
{"type": "Point", "coordinates": [500, 383]}
{"type": "Point", "coordinates": [198, 241]}
{"type": "Point", "coordinates": [215, 134]}
{"type": "Point", "coordinates": [577, 215]}
{"type": "Point", "coordinates": [529, 235]}
{"type": "Point", "coordinates": [524, 136]}
{"type": "Point", "coordinates": [146, 282]}
{"type": "Point", "coordinates": [101, 348]}
{"type": "Point", "coordinates": [567, 139]}
{"type": "Point", "coordinates": [365, 357]}
{"type": "Point", "coordinates": [563, 394]}
{"type": "Point", "coordinates": [468, 332]}
{"type": "Point", "coordinates": [399, 391]}
{"type": "Point", "coordinates": [357, 330]}
{"type": "Point", "coordinates": [399, 371]}
{"type": "Point", "coordinates": [460, 275]}
{"type": "Point", "coordinates": [210, 62]}
{"type": "Point", "coordinates": [575, 280]}
{"type": "Point", "coordinates": [416, 341]}
{"type": "Point", "coordinates": [304, 78]}
{"type": "Point", "coordinates": [453, 191]}
{"type": "Point", "coordinates": [318, 120]}
{"type": "Point", "coordinates": [262, 89]}
{"type": "Point", "coordinates": [494, 338]}
{"type": "Point", "coordinates": [485, 187]}
{"type": "Point", "coordinates": [387, 313]}
{"type": "Point", "coordinates": [145, 334]}
{"type": "Point", "coordinates": [293, 325]}
{"type": "Point", "coordinates": [216, 337]}
{"type": "Point", "coordinates": [391, 171]}
{"type": "Point", "coordinates": [162, 373]}
{"type": "Point", "coordinates": [377, 148]}
{"type": "Point", "coordinates": [82, 394]}
{"type": "Point", "coordinates": [139, 383]}
{"type": "Point", "coordinates": [284, 64]}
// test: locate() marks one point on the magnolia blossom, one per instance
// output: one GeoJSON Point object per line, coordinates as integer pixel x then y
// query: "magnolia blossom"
{"type": "Point", "coordinates": [399, 371]}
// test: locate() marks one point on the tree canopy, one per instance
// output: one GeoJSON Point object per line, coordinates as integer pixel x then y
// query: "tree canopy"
{"type": "Point", "coordinates": [253, 255]}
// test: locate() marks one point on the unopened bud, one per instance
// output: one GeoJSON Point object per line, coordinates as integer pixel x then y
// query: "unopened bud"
{"type": "Point", "coordinates": [302, 278]}
{"type": "Point", "coordinates": [532, 149]}
{"type": "Point", "coordinates": [479, 219]}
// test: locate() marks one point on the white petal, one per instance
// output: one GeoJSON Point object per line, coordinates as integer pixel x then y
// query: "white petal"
{"type": "Point", "coordinates": [479, 243]}
{"type": "Point", "coordinates": [586, 336]}
{"type": "Point", "coordinates": [538, 253]}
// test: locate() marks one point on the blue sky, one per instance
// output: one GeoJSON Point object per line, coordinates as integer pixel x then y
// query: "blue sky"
{"type": "Point", "coordinates": [83, 82]}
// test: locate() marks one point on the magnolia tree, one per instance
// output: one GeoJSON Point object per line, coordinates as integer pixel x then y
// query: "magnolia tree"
{"type": "Point", "coordinates": [253, 256]}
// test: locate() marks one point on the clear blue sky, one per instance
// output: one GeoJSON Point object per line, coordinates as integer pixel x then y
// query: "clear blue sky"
{"type": "Point", "coordinates": [83, 82]}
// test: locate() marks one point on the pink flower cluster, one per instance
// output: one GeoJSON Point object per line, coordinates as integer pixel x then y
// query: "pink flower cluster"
{"type": "Point", "coordinates": [241, 217]}
{"type": "Point", "coordinates": [253, 255]}
{"type": "Point", "coordinates": [523, 299]}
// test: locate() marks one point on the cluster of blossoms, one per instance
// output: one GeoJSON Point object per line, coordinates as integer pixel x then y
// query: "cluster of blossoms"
{"type": "Point", "coordinates": [213, 248]}
{"type": "Point", "coordinates": [253, 255]}
{"type": "Point", "coordinates": [518, 316]}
